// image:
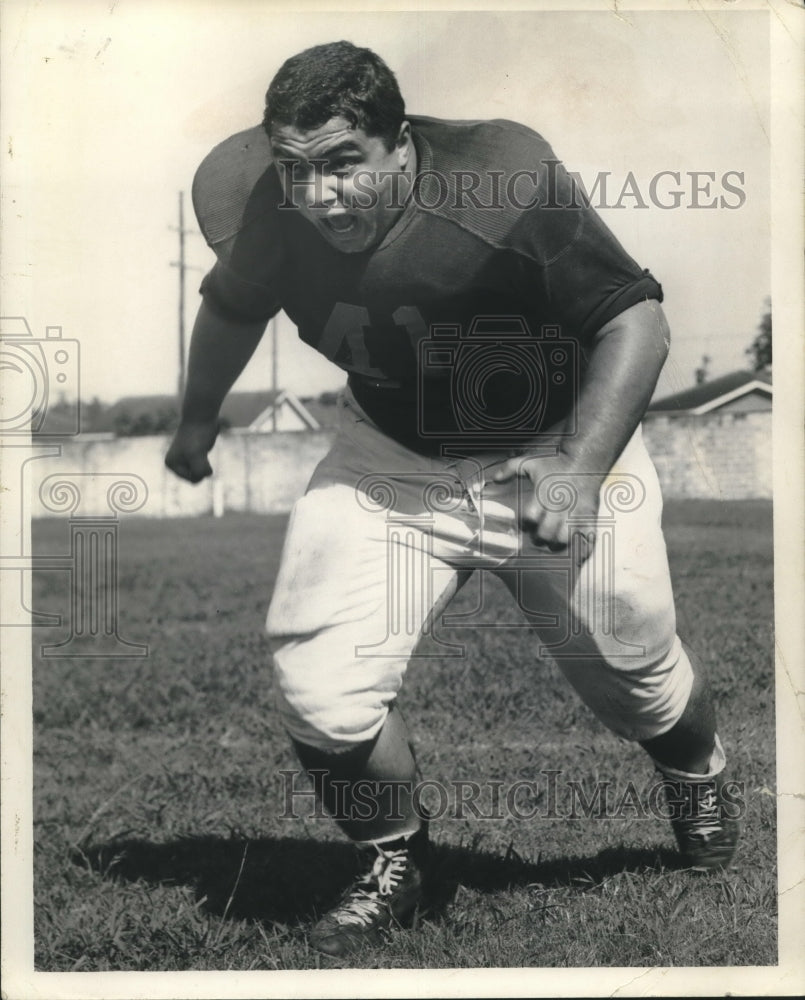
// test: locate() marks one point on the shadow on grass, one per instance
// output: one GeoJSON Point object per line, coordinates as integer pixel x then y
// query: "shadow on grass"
{"type": "Point", "coordinates": [289, 880]}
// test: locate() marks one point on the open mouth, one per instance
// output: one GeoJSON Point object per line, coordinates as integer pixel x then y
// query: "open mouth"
{"type": "Point", "coordinates": [340, 225]}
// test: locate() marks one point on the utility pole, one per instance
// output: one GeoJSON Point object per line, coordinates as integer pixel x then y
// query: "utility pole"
{"type": "Point", "coordinates": [181, 294]}
{"type": "Point", "coordinates": [274, 372]}
{"type": "Point", "coordinates": [183, 269]}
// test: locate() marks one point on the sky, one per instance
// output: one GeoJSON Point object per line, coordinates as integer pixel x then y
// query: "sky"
{"type": "Point", "coordinates": [110, 106]}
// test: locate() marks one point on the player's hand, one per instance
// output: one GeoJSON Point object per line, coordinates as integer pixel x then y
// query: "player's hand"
{"type": "Point", "coordinates": [187, 455]}
{"type": "Point", "coordinates": [558, 481]}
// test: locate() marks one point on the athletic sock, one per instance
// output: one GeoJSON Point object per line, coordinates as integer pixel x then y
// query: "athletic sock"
{"type": "Point", "coordinates": [716, 765]}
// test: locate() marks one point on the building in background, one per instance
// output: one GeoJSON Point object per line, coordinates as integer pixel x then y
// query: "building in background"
{"type": "Point", "coordinates": [713, 441]}
{"type": "Point", "coordinates": [738, 392]}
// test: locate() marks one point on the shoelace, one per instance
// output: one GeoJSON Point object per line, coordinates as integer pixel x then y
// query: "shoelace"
{"type": "Point", "coordinates": [363, 904]}
{"type": "Point", "coordinates": [706, 821]}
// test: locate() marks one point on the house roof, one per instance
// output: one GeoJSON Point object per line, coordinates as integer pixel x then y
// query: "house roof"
{"type": "Point", "coordinates": [241, 409]}
{"type": "Point", "coordinates": [276, 402]}
{"type": "Point", "coordinates": [717, 392]}
{"type": "Point", "coordinates": [324, 413]}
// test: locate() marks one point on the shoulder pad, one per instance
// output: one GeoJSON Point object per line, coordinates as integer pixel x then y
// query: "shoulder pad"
{"type": "Point", "coordinates": [233, 185]}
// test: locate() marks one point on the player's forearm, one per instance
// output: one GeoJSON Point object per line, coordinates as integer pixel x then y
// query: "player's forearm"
{"type": "Point", "coordinates": [219, 351]}
{"type": "Point", "coordinates": [624, 364]}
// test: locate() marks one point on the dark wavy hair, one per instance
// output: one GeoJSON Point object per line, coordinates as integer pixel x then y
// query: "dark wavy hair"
{"type": "Point", "coordinates": [336, 80]}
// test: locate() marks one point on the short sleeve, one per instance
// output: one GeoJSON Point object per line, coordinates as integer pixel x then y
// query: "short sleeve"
{"type": "Point", "coordinates": [581, 272]}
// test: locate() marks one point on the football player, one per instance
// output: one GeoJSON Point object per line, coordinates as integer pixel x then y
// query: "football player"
{"type": "Point", "coordinates": [501, 350]}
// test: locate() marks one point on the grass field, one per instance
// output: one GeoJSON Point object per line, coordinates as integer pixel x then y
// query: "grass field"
{"type": "Point", "coordinates": [159, 842]}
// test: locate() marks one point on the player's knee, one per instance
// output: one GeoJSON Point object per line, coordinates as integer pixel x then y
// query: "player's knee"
{"type": "Point", "coordinates": [644, 703]}
{"type": "Point", "coordinates": [642, 628]}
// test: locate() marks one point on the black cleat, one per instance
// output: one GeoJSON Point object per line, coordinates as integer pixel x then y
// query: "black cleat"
{"type": "Point", "coordinates": [704, 823]}
{"type": "Point", "coordinates": [384, 896]}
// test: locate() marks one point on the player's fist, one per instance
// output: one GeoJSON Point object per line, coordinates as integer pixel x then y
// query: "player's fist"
{"type": "Point", "coordinates": [560, 509]}
{"type": "Point", "coordinates": [187, 455]}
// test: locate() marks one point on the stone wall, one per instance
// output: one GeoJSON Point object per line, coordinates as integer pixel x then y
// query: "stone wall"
{"type": "Point", "coordinates": [722, 456]}
{"type": "Point", "coordinates": [263, 473]}
{"type": "Point", "coordinates": [725, 456]}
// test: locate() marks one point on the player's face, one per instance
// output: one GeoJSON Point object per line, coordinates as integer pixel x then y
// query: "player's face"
{"type": "Point", "coordinates": [345, 182]}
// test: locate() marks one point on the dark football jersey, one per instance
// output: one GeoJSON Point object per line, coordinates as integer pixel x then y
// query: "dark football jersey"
{"type": "Point", "coordinates": [469, 322]}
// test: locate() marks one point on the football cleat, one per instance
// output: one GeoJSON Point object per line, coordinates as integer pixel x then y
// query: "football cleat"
{"type": "Point", "coordinates": [385, 895]}
{"type": "Point", "coordinates": [704, 823]}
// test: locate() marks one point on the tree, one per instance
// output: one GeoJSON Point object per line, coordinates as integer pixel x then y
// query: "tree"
{"type": "Point", "coordinates": [163, 421]}
{"type": "Point", "coordinates": [94, 416]}
{"type": "Point", "coordinates": [760, 349]}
